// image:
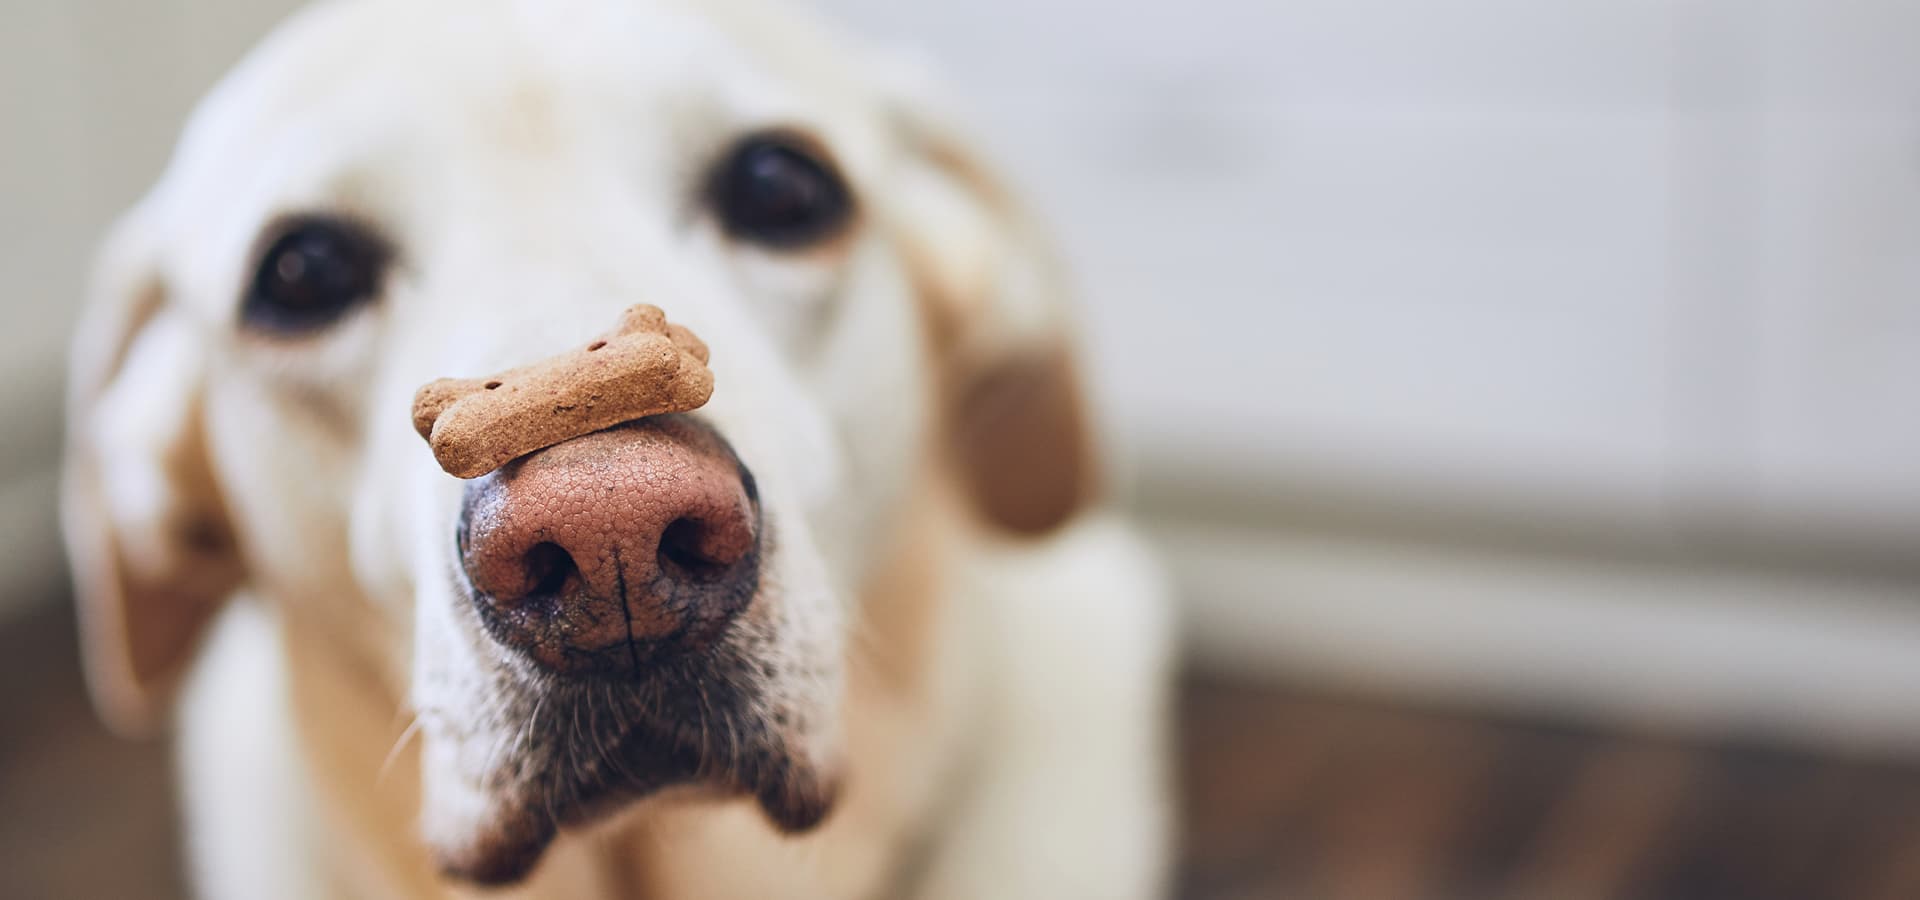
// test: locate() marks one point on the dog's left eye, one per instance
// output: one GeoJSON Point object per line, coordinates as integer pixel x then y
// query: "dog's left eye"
{"type": "Point", "coordinates": [311, 275]}
{"type": "Point", "coordinates": [778, 191]}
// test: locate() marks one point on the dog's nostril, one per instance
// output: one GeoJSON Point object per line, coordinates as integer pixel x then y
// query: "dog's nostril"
{"type": "Point", "coordinates": [491, 385]}
{"type": "Point", "coordinates": [595, 346]}
{"type": "Point", "coordinates": [549, 569]}
{"type": "Point", "coordinates": [683, 554]}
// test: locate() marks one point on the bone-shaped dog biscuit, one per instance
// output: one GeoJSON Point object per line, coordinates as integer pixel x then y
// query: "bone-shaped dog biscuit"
{"type": "Point", "coordinates": [644, 367]}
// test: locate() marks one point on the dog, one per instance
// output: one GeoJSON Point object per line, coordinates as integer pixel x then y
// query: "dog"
{"type": "Point", "coordinates": [882, 636]}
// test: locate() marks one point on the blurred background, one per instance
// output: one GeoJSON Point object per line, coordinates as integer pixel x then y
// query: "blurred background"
{"type": "Point", "coordinates": [1545, 497]}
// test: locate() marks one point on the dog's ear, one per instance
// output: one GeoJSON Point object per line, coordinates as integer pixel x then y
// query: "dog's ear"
{"type": "Point", "coordinates": [1016, 419]}
{"type": "Point", "coordinates": [147, 533]}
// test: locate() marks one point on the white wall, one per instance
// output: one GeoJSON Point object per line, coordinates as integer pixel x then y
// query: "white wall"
{"type": "Point", "coordinates": [1644, 276]}
{"type": "Point", "coordinates": [1653, 263]}
{"type": "Point", "coordinates": [92, 94]}
{"type": "Point", "coordinates": [1555, 355]}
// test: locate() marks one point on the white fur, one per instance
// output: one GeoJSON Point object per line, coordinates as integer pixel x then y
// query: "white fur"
{"type": "Point", "coordinates": [251, 824]}
{"type": "Point", "coordinates": [1070, 801]}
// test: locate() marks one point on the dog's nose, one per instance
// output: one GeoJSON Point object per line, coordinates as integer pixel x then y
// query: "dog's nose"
{"type": "Point", "coordinates": [604, 552]}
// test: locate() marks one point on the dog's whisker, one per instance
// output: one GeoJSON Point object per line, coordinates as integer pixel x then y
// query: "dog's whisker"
{"type": "Point", "coordinates": [602, 760]}
{"type": "Point", "coordinates": [527, 728]}
{"type": "Point", "coordinates": [611, 751]}
{"type": "Point", "coordinates": [500, 743]}
{"type": "Point", "coordinates": [732, 727]}
{"type": "Point", "coordinates": [393, 753]}
{"type": "Point", "coordinates": [866, 645]}
{"type": "Point", "coordinates": [706, 726]}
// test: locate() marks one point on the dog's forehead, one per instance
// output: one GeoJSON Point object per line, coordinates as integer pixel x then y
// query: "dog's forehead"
{"type": "Point", "coordinates": [407, 66]}
{"type": "Point", "coordinates": [395, 109]}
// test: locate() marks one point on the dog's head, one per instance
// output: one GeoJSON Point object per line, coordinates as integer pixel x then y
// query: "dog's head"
{"type": "Point", "coordinates": [387, 193]}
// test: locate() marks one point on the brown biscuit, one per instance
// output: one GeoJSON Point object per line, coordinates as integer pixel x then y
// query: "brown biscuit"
{"type": "Point", "coordinates": [644, 367]}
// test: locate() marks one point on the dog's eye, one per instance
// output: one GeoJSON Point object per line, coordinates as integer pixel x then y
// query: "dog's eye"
{"type": "Point", "coordinates": [311, 275]}
{"type": "Point", "coordinates": [774, 190]}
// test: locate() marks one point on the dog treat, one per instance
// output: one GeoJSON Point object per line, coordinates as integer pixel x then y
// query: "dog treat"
{"type": "Point", "coordinates": [644, 367]}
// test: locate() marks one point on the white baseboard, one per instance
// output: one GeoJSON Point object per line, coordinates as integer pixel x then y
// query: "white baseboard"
{"type": "Point", "coordinates": [1822, 659]}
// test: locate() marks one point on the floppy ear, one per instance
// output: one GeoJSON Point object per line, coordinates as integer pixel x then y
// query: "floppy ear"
{"type": "Point", "coordinates": [1016, 422]}
{"type": "Point", "coordinates": [147, 534]}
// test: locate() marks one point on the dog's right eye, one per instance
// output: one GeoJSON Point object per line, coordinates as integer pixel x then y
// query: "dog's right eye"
{"type": "Point", "coordinates": [777, 190]}
{"type": "Point", "coordinates": [314, 273]}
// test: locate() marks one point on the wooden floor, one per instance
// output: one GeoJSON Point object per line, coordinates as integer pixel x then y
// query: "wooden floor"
{"type": "Point", "coordinates": [1287, 796]}
{"type": "Point", "coordinates": [1301, 797]}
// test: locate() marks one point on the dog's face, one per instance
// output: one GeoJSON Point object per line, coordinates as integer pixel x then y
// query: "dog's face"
{"type": "Point", "coordinates": [386, 193]}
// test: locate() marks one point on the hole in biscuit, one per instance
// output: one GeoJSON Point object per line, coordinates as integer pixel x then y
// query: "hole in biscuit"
{"type": "Point", "coordinates": [595, 346]}
{"type": "Point", "coordinates": [491, 385]}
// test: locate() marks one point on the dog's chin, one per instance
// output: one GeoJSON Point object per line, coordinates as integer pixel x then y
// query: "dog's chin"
{"type": "Point", "coordinates": [589, 751]}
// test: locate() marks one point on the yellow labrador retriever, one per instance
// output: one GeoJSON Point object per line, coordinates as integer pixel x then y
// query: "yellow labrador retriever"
{"type": "Point", "coordinates": [879, 639]}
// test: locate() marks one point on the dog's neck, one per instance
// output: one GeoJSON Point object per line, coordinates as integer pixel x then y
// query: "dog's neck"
{"type": "Point", "coordinates": [905, 714]}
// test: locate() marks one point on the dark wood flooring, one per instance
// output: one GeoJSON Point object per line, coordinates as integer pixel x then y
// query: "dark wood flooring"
{"type": "Point", "coordinates": [1309, 797]}
{"type": "Point", "coordinates": [1287, 795]}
